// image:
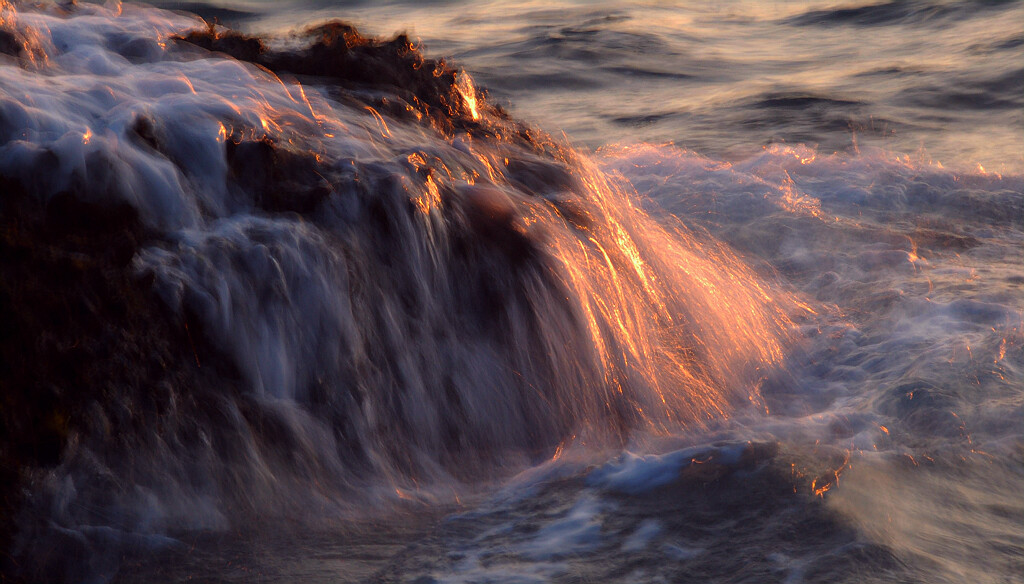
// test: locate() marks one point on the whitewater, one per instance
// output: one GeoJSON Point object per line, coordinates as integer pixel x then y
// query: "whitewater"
{"type": "Point", "coordinates": [545, 292]}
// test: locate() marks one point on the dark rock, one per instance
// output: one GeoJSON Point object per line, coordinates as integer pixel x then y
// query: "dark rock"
{"type": "Point", "coordinates": [81, 339]}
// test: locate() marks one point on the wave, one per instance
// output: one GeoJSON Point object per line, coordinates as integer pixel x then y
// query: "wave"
{"type": "Point", "coordinates": [249, 278]}
{"type": "Point", "coordinates": [899, 12]}
{"type": "Point", "coordinates": [279, 299]}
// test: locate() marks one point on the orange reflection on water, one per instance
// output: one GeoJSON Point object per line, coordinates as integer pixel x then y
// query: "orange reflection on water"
{"type": "Point", "coordinates": [465, 87]}
{"type": "Point", "coordinates": [681, 329]}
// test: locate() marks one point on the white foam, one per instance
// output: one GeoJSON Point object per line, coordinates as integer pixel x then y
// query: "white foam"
{"type": "Point", "coordinates": [81, 103]}
{"type": "Point", "coordinates": [637, 474]}
{"type": "Point", "coordinates": [578, 531]}
{"type": "Point", "coordinates": [641, 537]}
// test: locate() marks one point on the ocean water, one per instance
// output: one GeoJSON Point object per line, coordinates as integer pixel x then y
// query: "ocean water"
{"type": "Point", "coordinates": [530, 292]}
{"type": "Point", "coordinates": [938, 80]}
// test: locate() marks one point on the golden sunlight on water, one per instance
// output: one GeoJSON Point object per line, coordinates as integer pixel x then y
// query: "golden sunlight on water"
{"type": "Point", "coordinates": [666, 308]}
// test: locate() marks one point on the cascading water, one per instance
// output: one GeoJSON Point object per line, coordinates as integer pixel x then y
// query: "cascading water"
{"type": "Point", "coordinates": [366, 302]}
{"type": "Point", "coordinates": [309, 306]}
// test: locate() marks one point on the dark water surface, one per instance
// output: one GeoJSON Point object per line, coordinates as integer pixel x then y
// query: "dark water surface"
{"type": "Point", "coordinates": [313, 309]}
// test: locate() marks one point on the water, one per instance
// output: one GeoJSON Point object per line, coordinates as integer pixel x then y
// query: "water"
{"type": "Point", "coordinates": [941, 80]}
{"type": "Point", "coordinates": [754, 313]}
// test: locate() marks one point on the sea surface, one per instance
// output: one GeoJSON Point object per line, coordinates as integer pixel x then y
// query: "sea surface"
{"type": "Point", "coordinates": [494, 292]}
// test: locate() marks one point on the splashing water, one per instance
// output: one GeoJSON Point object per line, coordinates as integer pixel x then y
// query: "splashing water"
{"type": "Point", "coordinates": [372, 293]}
{"type": "Point", "coordinates": [307, 303]}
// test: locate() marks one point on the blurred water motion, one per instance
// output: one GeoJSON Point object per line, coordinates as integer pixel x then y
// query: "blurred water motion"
{"type": "Point", "coordinates": [303, 304]}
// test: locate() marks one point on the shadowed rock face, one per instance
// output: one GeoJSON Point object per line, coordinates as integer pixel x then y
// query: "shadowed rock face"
{"type": "Point", "coordinates": [86, 353]}
{"type": "Point", "coordinates": [91, 360]}
{"type": "Point", "coordinates": [9, 43]}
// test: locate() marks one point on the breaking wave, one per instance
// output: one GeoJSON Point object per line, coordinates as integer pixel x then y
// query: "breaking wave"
{"type": "Point", "coordinates": [286, 277]}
